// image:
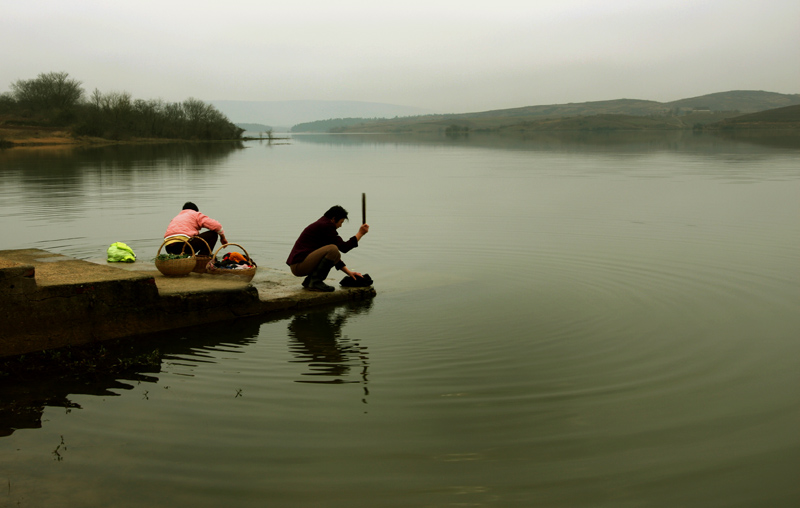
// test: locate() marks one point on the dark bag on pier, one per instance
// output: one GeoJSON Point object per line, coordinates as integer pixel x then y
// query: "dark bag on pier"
{"type": "Point", "coordinates": [364, 281]}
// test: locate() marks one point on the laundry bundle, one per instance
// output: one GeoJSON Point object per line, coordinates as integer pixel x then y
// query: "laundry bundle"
{"type": "Point", "coordinates": [119, 252]}
{"type": "Point", "coordinates": [233, 263]}
{"type": "Point", "coordinates": [364, 281]}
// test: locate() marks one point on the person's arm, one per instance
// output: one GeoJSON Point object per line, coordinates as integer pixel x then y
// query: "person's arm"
{"type": "Point", "coordinates": [352, 243]}
{"type": "Point", "coordinates": [363, 230]}
{"type": "Point", "coordinates": [213, 225]}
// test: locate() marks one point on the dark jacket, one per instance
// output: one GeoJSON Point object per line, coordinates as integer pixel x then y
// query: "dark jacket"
{"type": "Point", "coordinates": [316, 235]}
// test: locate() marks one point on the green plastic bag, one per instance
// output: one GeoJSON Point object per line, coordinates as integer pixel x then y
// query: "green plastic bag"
{"type": "Point", "coordinates": [118, 252]}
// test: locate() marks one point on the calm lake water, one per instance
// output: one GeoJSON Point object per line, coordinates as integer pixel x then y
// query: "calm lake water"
{"type": "Point", "coordinates": [580, 321]}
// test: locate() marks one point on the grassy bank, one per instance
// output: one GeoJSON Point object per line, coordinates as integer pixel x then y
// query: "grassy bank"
{"type": "Point", "coordinates": [32, 136]}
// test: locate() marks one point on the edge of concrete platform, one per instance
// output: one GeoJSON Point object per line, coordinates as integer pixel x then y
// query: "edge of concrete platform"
{"type": "Point", "coordinates": [48, 300]}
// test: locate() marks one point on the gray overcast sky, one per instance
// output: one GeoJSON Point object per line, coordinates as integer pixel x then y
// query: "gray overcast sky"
{"type": "Point", "coordinates": [447, 56]}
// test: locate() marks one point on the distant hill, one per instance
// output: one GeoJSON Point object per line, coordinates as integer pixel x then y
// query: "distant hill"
{"type": "Point", "coordinates": [254, 127]}
{"type": "Point", "coordinates": [330, 125]}
{"type": "Point", "coordinates": [744, 101]}
{"type": "Point", "coordinates": [779, 118]}
{"type": "Point", "coordinates": [614, 107]}
{"type": "Point", "coordinates": [622, 114]}
{"type": "Point", "coordinates": [601, 122]}
{"type": "Point", "coordinates": [284, 114]}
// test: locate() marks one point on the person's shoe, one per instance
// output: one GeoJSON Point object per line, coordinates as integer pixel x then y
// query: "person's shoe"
{"type": "Point", "coordinates": [318, 285]}
{"type": "Point", "coordinates": [316, 279]}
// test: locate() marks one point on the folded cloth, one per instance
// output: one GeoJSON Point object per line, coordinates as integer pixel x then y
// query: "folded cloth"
{"type": "Point", "coordinates": [175, 239]}
{"type": "Point", "coordinates": [359, 282]}
{"type": "Point", "coordinates": [236, 257]}
{"type": "Point", "coordinates": [119, 252]}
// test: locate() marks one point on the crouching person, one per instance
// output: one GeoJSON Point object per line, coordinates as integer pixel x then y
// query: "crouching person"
{"type": "Point", "coordinates": [319, 248]}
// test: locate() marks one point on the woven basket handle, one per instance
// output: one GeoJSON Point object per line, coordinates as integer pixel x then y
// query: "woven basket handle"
{"type": "Point", "coordinates": [186, 242]}
{"type": "Point", "coordinates": [249, 259]}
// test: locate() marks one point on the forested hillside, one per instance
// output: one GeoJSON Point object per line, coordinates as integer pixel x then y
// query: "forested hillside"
{"type": "Point", "coordinates": [54, 100]}
{"type": "Point", "coordinates": [779, 118]}
{"type": "Point", "coordinates": [622, 114]}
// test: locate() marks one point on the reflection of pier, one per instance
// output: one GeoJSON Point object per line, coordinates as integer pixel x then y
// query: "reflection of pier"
{"type": "Point", "coordinates": [105, 369]}
{"type": "Point", "coordinates": [331, 356]}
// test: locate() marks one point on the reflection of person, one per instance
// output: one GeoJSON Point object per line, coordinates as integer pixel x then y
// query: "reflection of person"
{"type": "Point", "coordinates": [319, 248]}
{"type": "Point", "coordinates": [188, 224]}
{"type": "Point", "coordinates": [317, 335]}
{"type": "Point", "coordinates": [319, 341]}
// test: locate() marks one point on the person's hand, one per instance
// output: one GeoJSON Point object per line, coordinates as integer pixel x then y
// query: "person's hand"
{"type": "Point", "coordinates": [223, 240]}
{"type": "Point", "coordinates": [351, 273]}
{"type": "Point", "coordinates": [363, 230]}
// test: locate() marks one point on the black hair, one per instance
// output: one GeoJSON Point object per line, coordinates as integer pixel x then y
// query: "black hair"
{"type": "Point", "coordinates": [190, 206]}
{"type": "Point", "coordinates": [336, 212]}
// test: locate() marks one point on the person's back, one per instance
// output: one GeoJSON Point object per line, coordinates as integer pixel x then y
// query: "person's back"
{"type": "Point", "coordinates": [185, 227]}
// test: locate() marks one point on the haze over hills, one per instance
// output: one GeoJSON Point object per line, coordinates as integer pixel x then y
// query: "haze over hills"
{"type": "Point", "coordinates": [352, 116]}
{"type": "Point", "coordinates": [254, 127]}
{"type": "Point", "coordinates": [282, 115]}
{"type": "Point", "coordinates": [744, 101]}
{"type": "Point", "coordinates": [612, 115]}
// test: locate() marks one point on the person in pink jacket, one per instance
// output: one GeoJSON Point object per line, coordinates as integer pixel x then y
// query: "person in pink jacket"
{"type": "Point", "coordinates": [187, 225]}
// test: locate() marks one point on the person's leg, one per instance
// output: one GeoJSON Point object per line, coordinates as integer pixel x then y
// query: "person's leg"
{"type": "Point", "coordinates": [316, 279]}
{"type": "Point", "coordinates": [178, 248]}
{"type": "Point", "coordinates": [200, 246]}
{"type": "Point", "coordinates": [329, 252]}
{"type": "Point", "coordinates": [173, 248]}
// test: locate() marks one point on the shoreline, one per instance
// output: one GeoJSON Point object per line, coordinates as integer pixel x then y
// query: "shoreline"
{"type": "Point", "coordinates": [54, 137]}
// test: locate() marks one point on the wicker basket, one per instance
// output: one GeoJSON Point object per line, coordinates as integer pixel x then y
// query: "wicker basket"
{"type": "Point", "coordinates": [176, 267]}
{"type": "Point", "coordinates": [202, 259]}
{"type": "Point", "coordinates": [246, 274]}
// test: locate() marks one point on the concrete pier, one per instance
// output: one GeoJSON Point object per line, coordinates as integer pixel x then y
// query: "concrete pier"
{"type": "Point", "coordinates": [49, 301]}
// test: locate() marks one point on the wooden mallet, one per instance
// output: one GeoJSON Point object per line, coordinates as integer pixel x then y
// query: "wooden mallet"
{"type": "Point", "coordinates": [363, 208]}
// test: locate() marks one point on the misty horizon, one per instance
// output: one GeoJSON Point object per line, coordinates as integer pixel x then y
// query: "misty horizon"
{"type": "Point", "coordinates": [428, 55]}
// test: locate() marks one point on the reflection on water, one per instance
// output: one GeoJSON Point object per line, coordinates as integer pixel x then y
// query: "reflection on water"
{"type": "Point", "coordinates": [581, 141]}
{"type": "Point", "coordinates": [23, 399]}
{"type": "Point", "coordinates": [110, 369]}
{"type": "Point", "coordinates": [62, 183]}
{"type": "Point", "coordinates": [105, 370]}
{"type": "Point", "coordinates": [66, 164]}
{"type": "Point", "coordinates": [786, 139]}
{"type": "Point", "coordinates": [318, 341]}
